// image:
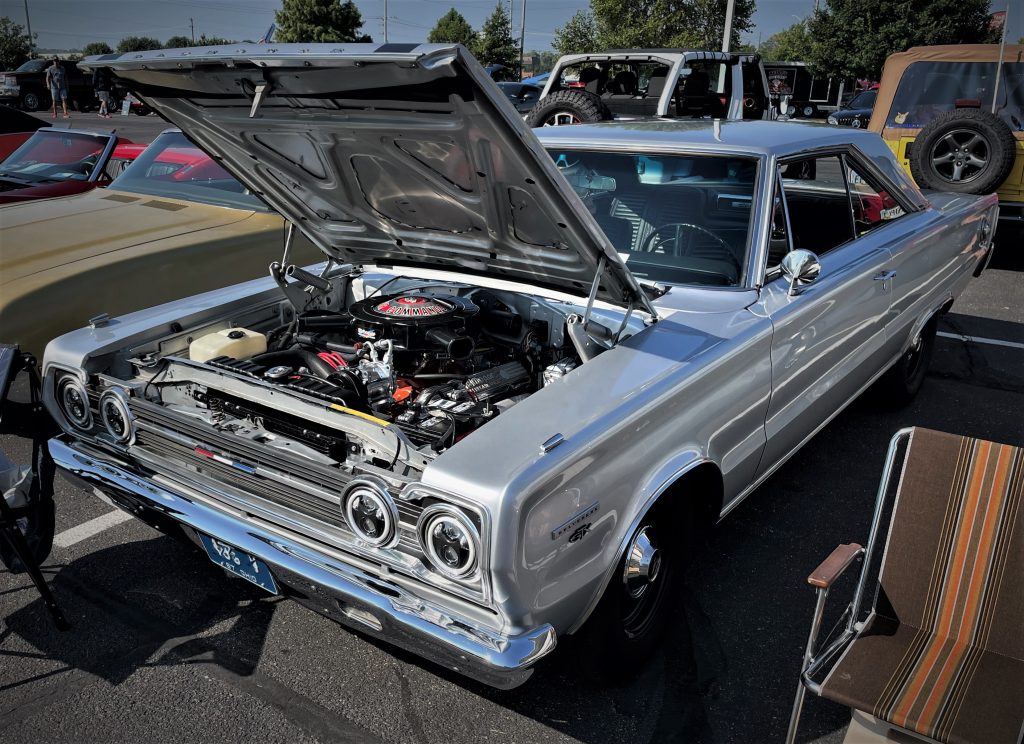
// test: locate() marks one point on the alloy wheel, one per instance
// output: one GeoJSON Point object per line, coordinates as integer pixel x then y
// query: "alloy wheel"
{"type": "Point", "coordinates": [961, 156]}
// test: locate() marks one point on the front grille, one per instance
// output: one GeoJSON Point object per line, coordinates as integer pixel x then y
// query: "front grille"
{"type": "Point", "coordinates": [310, 491]}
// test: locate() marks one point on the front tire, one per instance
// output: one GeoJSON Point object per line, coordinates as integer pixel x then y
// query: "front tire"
{"type": "Point", "coordinates": [632, 616]}
{"type": "Point", "coordinates": [31, 102]}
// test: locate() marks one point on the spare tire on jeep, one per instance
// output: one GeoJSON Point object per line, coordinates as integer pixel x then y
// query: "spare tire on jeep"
{"type": "Point", "coordinates": [570, 106]}
{"type": "Point", "coordinates": [969, 151]}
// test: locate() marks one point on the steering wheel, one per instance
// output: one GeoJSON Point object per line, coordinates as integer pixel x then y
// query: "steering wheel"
{"type": "Point", "coordinates": [86, 164]}
{"type": "Point", "coordinates": [658, 242]}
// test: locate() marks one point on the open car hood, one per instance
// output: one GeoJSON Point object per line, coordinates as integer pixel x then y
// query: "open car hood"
{"type": "Point", "coordinates": [393, 154]}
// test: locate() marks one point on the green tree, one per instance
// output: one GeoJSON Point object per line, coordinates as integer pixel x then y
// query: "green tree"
{"type": "Point", "coordinates": [318, 20]}
{"type": "Point", "coordinates": [452, 28]}
{"type": "Point", "coordinates": [577, 36]}
{"type": "Point", "coordinates": [138, 44]}
{"type": "Point", "coordinates": [542, 61]}
{"type": "Point", "coordinates": [791, 44]}
{"type": "Point", "coordinates": [178, 42]}
{"type": "Point", "coordinates": [96, 47]}
{"type": "Point", "coordinates": [695, 24]}
{"type": "Point", "coordinates": [852, 38]}
{"type": "Point", "coordinates": [205, 40]}
{"type": "Point", "coordinates": [15, 46]}
{"type": "Point", "coordinates": [495, 45]}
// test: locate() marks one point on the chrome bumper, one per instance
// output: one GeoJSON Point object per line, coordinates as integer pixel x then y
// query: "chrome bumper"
{"type": "Point", "coordinates": [348, 595]}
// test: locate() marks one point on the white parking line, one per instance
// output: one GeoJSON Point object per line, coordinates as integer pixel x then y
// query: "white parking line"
{"type": "Point", "coordinates": [84, 531]}
{"type": "Point", "coordinates": [979, 340]}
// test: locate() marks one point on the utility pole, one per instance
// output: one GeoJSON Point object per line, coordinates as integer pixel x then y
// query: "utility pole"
{"type": "Point", "coordinates": [727, 34]}
{"type": "Point", "coordinates": [28, 23]}
{"type": "Point", "coordinates": [192, 23]}
{"type": "Point", "coordinates": [385, 21]}
{"type": "Point", "coordinates": [522, 39]}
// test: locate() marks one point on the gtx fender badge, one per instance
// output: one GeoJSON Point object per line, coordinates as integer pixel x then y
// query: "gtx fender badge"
{"type": "Point", "coordinates": [580, 533]}
{"type": "Point", "coordinates": [575, 521]}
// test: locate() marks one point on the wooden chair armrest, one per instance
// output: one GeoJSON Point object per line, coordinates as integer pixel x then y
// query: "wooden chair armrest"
{"type": "Point", "coordinates": [830, 569]}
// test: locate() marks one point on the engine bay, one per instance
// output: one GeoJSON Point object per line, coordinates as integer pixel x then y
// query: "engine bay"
{"type": "Point", "coordinates": [437, 362]}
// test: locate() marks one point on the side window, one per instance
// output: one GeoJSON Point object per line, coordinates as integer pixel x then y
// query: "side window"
{"type": "Point", "coordinates": [817, 203]}
{"type": "Point", "coordinates": [778, 239]}
{"type": "Point", "coordinates": [872, 206]}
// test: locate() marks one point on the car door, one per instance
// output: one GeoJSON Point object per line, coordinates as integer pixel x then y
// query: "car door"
{"type": "Point", "coordinates": [829, 338]}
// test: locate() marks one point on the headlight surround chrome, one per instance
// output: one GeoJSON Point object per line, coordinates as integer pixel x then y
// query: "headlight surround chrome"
{"type": "Point", "coordinates": [117, 416]}
{"type": "Point", "coordinates": [450, 541]}
{"type": "Point", "coordinates": [73, 401]}
{"type": "Point", "coordinates": [371, 512]}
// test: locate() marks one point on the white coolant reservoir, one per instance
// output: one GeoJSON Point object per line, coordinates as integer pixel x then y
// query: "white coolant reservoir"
{"type": "Point", "coordinates": [238, 343]}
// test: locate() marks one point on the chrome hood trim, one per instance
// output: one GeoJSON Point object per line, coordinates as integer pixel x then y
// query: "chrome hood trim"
{"type": "Point", "coordinates": [393, 154]}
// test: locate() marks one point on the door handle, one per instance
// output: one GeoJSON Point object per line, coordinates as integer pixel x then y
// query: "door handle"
{"type": "Point", "coordinates": [884, 276]}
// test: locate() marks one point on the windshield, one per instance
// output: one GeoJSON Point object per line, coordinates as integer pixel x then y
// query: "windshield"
{"type": "Point", "coordinates": [55, 156]}
{"type": "Point", "coordinates": [173, 167]}
{"type": "Point", "coordinates": [929, 89]}
{"type": "Point", "coordinates": [33, 65]}
{"type": "Point", "coordinates": [864, 100]}
{"type": "Point", "coordinates": [676, 219]}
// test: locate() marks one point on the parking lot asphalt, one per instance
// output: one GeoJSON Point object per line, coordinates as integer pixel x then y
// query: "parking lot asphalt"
{"type": "Point", "coordinates": [166, 646]}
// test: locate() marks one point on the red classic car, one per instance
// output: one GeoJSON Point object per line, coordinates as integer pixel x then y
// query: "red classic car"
{"type": "Point", "coordinates": [58, 162]}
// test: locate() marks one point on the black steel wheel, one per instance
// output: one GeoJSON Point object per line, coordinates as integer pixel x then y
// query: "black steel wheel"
{"type": "Point", "coordinates": [969, 151]}
{"type": "Point", "coordinates": [633, 615]}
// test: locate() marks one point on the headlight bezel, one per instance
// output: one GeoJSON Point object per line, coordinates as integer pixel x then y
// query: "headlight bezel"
{"type": "Point", "coordinates": [437, 514]}
{"type": "Point", "coordinates": [119, 400]}
{"type": "Point", "coordinates": [64, 383]}
{"type": "Point", "coordinates": [378, 493]}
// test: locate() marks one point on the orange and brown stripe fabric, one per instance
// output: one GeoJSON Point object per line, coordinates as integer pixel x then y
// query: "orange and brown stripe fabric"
{"type": "Point", "coordinates": [942, 653]}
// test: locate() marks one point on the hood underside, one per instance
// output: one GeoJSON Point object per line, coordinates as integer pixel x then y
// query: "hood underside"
{"type": "Point", "coordinates": [394, 154]}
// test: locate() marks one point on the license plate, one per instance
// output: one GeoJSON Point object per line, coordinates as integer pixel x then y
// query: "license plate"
{"type": "Point", "coordinates": [239, 562]}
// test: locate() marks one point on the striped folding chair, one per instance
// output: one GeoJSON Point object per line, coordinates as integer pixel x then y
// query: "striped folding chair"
{"type": "Point", "coordinates": [940, 654]}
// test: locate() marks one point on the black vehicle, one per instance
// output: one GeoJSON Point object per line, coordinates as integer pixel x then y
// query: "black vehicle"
{"type": "Point", "coordinates": [26, 86]}
{"type": "Point", "coordinates": [857, 112]}
{"type": "Point", "coordinates": [522, 95]}
{"type": "Point", "coordinates": [792, 85]}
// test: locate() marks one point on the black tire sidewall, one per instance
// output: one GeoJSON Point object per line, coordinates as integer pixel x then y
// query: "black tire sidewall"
{"type": "Point", "coordinates": [582, 104]}
{"type": "Point", "coordinates": [609, 652]}
{"type": "Point", "coordinates": [998, 137]}
{"type": "Point", "coordinates": [903, 381]}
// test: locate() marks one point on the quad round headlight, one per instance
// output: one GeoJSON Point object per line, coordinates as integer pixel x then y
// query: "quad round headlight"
{"type": "Point", "coordinates": [450, 541]}
{"type": "Point", "coordinates": [116, 416]}
{"type": "Point", "coordinates": [73, 399]}
{"type": "Point", "coordinates": [370, 512]}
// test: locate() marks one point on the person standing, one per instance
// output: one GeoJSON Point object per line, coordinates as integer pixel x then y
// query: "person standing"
{"type": "Point", "coordinates": [101, 82]}
{"type": "Point", "coordinates": [56, 80]}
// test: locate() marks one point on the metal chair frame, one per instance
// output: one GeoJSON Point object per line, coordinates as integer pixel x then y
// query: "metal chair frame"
{"type": "Point", "coordinates": [814, 661]}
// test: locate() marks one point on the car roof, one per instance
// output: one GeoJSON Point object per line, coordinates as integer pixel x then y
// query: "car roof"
{"type": "Point", "coordinates": [751, 137]}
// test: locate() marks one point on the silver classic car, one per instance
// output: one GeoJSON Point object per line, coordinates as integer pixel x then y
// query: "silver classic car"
{"type": "Point", "coordinates": [528, 369]}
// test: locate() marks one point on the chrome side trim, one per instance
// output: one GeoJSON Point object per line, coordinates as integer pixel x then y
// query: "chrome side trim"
{"type": "Point", "coordinates": [333, 588]}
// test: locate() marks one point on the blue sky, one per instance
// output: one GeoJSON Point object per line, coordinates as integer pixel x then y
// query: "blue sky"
{"type": "Point", "coordinates": [66, 24]}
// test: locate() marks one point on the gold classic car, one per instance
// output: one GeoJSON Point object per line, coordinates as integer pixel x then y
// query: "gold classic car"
{"type": "Point", "coordinates": [173, 223]}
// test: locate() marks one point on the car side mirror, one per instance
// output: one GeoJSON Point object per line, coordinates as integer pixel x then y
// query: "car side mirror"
{"type": "Point", "coordinates": [801, 268]}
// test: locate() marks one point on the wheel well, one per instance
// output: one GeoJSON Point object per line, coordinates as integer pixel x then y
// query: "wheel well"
{"type": "Point", "coordinates": [700, 490]}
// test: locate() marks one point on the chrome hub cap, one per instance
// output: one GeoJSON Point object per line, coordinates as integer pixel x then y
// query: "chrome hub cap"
{"type": "Point", "coordinates": [643, 562]}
